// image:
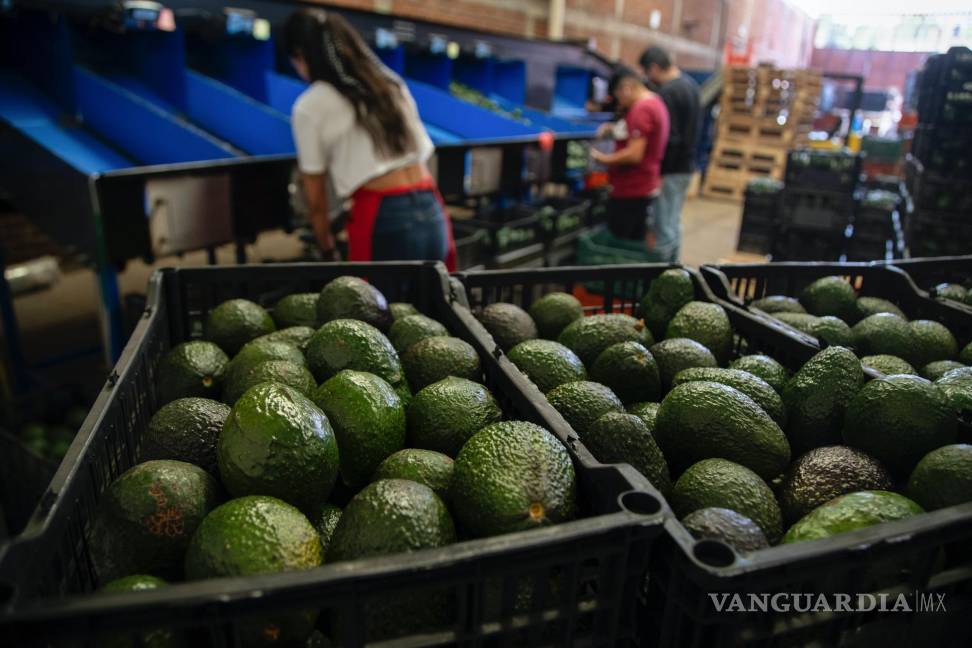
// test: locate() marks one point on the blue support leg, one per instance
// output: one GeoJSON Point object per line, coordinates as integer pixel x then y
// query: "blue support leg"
{"type": "Point", "coordinates": [110, 311]}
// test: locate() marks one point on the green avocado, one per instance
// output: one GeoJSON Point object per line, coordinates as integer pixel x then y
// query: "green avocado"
{"type": "Point", "coordinates": [956, 384]}
{"type": "Point", "coordinates": [512, 476]}
{"type": "Point", "coordinates": [935, 370]}
{"type": "Point", "coordinates": [277, 442]}
{"type": "Point", "coordinates": [830, 296]}
{"type": "Point", "coordinates": [867, 306]}
{"type": "Point", "coordinates": [352, 344]}
{"type": "Point", "coordinates": [583, 402]}
{"type": "Point", "coordinates": [298, 336]}
{"type": "Point", "coordinates": [296, 310]}
{"type": "Point", "coordinates": [724, 484]}
{"type": "Point", "coordinates": [667, 293]}
{"type": "Point", "coordinates": [778, 304]}
{"type": "Point", "coordinates": [965, 355]}
{"type": "Point", "coordinates": [705, 323]}
{"type": "Point", "coordinates": [898, 420]}
{"type": "Point", "coordinates": [630, 370]}
{"type": "Point", "coordinates": [851, 512]}
{"type": "Point", "coordinates": [428, 467]}
{"type": "Point", "coordinates": [725, 525]}
{"type": "Point", "coordinates": [588, 337]}
{"type": "Point", "coordinates": [704, 419]}
{"type": "Point", "coordinates": [943, 477]}
{"type": "Point", "coordinates": [282, 372]}
{"type": "Point", "coordinates": [401, 309]}
{"type": "Point", "coordinates": [325, 520]}
{"type": "Point", "coordinates": [617, 437]}
{"type": "Point", "coordinates": [194, 368]}
{"type": "Point", "coordinates": [553, 312]}
{"type": "Point", "coordinates": [676, 354]}
{"type": "Point", "coordinates": [883, 334]}
{"type": "Point", "coordinates": [888, 365]}
{"type": "Point", "coordinates": [235, 322]}
{"type": "Point", "coordinates": [547, 363]}
{"type": "Point", "coordinates": [950, 291]}
{"type": "Point", "coordinates": [353, 298]}
{"type": "Point", "coordinates": [186, 430]}
{"type": "Point", "coordinates": [765, 367]}
{"type": "Point", "coordinates": [757, 389]}
{"type": "Point", "coordinates": [825, 473]}
{"type": "Point", "coordinates": [647, 412]}
{"type": "Point", "coordinates": [408, 330]}
{"type": "Point", "coordinates": [508, 324]}
{"type": "Point", "coordinates": [368, 420]}
{"type": "Point", "coordinates": [930, 342]}
{"type": "Point", "coordinates": [444, 415]}
{"type": "Point", "coordinates": [436, 358]}
{"type": "Point", "coordinates": [257, 351]}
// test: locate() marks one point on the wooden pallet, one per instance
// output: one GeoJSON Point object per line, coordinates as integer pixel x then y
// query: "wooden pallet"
{"type": "Point", "coordinates": [722, 185]}
{"type": "Point", "coordinates": [760, 131]}
{"type": "Point", "coordinates": [753, 160]}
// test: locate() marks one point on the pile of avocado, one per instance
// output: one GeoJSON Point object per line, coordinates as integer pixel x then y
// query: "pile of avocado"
{"type": "Point", "coordinates": [334, 427]}
{"type": "Point", "coordinates": [51, 441]}
{"type": "Point", "coordinates": [831, 310]}
{"type": "Point", "coordinates": [746, 452]}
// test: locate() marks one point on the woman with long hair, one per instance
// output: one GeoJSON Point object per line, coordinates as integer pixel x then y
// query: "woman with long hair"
{"type": "Point", "coordinates": [357, 125]}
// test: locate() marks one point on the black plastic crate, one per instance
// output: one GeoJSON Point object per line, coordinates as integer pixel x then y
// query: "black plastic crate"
{"type": "Point", "coordinates": [583, 574]}
{"type": "Point", "coordinates": [928, 273]}
{"type": "Point", "coordinates": [470, 244]}
{"type": "Point", "coordinates": [822, 171]}
{"type": "Point", "coordinates": [756, 239]}
{"type": "Point", "coordinates": [934, 193]}
{"type": "Point", "coordinates": [817, 210]}
{"type": "Point", "coordinates": [24, 477]}
{"type": "Point", "coordinates": [563, 216]}
{"type": "Point", "coordinates": [932, 234]}
{"type": "Point", "coordinates": [943, 91]}
{"type": "Point", "coordinates": [762, 207]}
{"type": "Point", "coordinates": [509, 230]}
{"type": "Point", "coordinates": [800, 244]}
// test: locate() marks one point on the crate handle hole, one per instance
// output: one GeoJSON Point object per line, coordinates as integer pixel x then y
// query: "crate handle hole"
{"type": "Point", "coordinates": [640, 502]}
{"type": "Point", "coordinates": [714, 553]}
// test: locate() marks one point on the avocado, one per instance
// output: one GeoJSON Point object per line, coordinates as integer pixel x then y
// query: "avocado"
{"type": "Point", "coordinates": [800, 321]}
{"type": "Point", "coordinates": [583, 402]}
{"type": "Point", "coordinates": [444, 415]}
{"type": "Point", "coordinates": [235, 322]}
{"type": "Point", "coordinates": [192, 368]}
{"type": "Point", "coordinates": [883, 334]}
{"type": "Point", "coordinates": [186, 430]}
{"type": "Point", "coordinates": [257, 351]}
{"type": "Point", "coordinates": [930, 341]}
{"type": "Point", "coordinates": [277, 442]}
{"type": "Point", "coordinates": [724, 484]}
{"type": "Point", "coordinates": [762, 366]}
{"type": "Point", "coordinates": [705, 323]}
{"type": "Point", "coordinates": [553, 312]}
{"type": "Point", "coordinates": [831, 331]}
{"type": "Point", "coordinates": [296, 310]}
{"type": "Point", "coordinates": [589, 336]}
{"type": "Point", "coordinates": [898, 420]}
{"type": "Point", "coordinates": [647, 412]}
{"type": "Point", "coordinates": [667, 293]}
{"type": "Point", "coordinates": [954, 292]}
{"type": "Point", "coordinates": [352, 344]}
{"type": "Point", "coordinates": [436, 358]}
{"type": "Point", "coordinates": [399, 310]}
{"type": "Point", "coordinates": [965, 355]}
{"type": "Point", "coordinates": [851, 512]}
{"type": "Point", "coordinates": [325, 520]}
{"type": "Point", "coordinates": [703, 419]}
{"type": "Point", "coordinates": [888, 365]}
{"type": "Point", "coordinates": [258, 535]}
{"type": "Point", "coordinates": [283, 372]}
{"type": "Point", "coordinates": [617, 437]}
{"type": "Point", "coordinates": [773, 304]}
{"type": "Point", "coordinates": [428, 467]}
{"type": "Point", "coordinates": [956, 384]}
{"type": "Point", "coordinates": [830, 296]}
{"type": "Point", "coordinates": [825, 473]}
{"type": "Point", "coordinates": [391, 516]}
{"type": "Point", "coordinates": [353, 298]}
{"type": "Point", "coordinates": [298, 336]}
{"type": "Point", "coordinates": [676, 354]}
{"type": "Point", "coordinates": [34, 438]}
{"type": "Point", "coordinates": [508, 324]}
{"type": "Point", "coordinates": [935, 370]}
{"type": "Point", "coordinates": [630, 370]}
{"type": "Point", "coordinates": [408, 330]}
{"type": "Point", "coordinates": [943, 477]}
{"type": "Point", "coordinates": [867, 306]}
{"type": "Point", "coordinates": [147, 516]}
{"type": "Point", "coordinates": [547, 363]}
{"type": "Point", "coordinates": [757, 389]}
{"type": "Point", "coordinates": [368, 421]}
{"type": "Point", "coordinates": [817, 396]}
{"type": "Point", "coordinates": [512, 476]}
{"type": "Point", "coordinates": [725, 525]}
{"type": "Point", "coordinates": [157, 638]}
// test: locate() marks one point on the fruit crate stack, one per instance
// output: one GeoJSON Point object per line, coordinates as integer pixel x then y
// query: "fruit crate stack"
{"type": "Point", "coordinates": [819, 201]}
{"type": "Point", "coordinates": [764, 112]}
{"type": "Point", "coordinates": [761, 216]}
{"type": "Point", "coordinates": [942, 148]}
{"type": "Point", "coordinates": [876, 233]}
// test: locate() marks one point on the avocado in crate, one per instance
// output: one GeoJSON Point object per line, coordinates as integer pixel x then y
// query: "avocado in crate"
{"type": "Point", "coordinates": [764, 458]}
{"type": "Point", "coordinates": [465, 474]}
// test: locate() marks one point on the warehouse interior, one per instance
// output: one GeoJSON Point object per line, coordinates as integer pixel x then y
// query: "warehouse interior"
{"type": "Point", "coordinates": [765, 199]}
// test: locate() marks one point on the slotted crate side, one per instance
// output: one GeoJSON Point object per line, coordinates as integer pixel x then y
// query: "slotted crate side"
{"type": "Point", "coordinates": [583, 574]}
{"type": "Point", "coordinates": [678, 610]}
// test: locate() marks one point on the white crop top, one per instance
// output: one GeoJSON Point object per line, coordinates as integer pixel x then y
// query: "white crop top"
{"type": "Point", "coordinates": [329, 139]}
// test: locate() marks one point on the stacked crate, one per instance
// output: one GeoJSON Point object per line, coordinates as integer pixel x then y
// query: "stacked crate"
{"type": "Point", "coordinates": [942, 146]}
{"type": "Point", "coordinates": [762, 206]}
{"type": "Point", "coordinates": [765, 111]}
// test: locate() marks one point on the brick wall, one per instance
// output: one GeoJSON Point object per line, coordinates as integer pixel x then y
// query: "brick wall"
{"type": "Point", "coordinates": [692, 30]}
{"type": "Point", "coordinates": [881, 70]}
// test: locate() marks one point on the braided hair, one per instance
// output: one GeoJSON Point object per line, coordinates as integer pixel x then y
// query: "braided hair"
{"type": "Point", "coordinates": [336, 54]}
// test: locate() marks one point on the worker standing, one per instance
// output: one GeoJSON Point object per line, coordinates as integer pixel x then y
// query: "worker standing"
{"type": "Point", "coordinates": [681, 96]}
{"type": "Point", "coordinates": [357, 126]}
{"type": "Point", "coordinates": [634, 167]}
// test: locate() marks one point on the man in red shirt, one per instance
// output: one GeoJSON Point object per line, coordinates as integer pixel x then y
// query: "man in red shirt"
{"type": "Point", "coordinates": [634, 168]}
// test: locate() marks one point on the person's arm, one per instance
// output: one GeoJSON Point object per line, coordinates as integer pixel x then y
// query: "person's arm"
{"type": "Point", "coordinates": [318, 210]}
{"type": "Point", "coordinates": [630, 154]}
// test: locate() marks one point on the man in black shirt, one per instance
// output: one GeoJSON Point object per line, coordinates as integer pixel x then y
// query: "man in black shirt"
{"type": "Point", "coordinates": [681, 96]}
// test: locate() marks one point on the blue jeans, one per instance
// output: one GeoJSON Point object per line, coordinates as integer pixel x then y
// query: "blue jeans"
{"type": "Point", "coordinates": [668, 215]}
{"type": "Point", "coordinates": [410, 227]}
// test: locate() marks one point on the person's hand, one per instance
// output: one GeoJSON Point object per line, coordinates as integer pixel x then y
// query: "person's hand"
{"type": "Point", "coordinates": [598, 156]}
{"type": "Point", "coordinates": [604, 130]}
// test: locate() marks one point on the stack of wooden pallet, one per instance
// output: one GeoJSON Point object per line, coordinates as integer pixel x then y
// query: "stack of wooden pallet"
{"type": "Point", "coordinates": [765, 111]}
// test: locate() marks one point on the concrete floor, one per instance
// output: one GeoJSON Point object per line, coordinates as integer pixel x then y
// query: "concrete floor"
{"type": "Point", "coordinates": [63, 320]}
